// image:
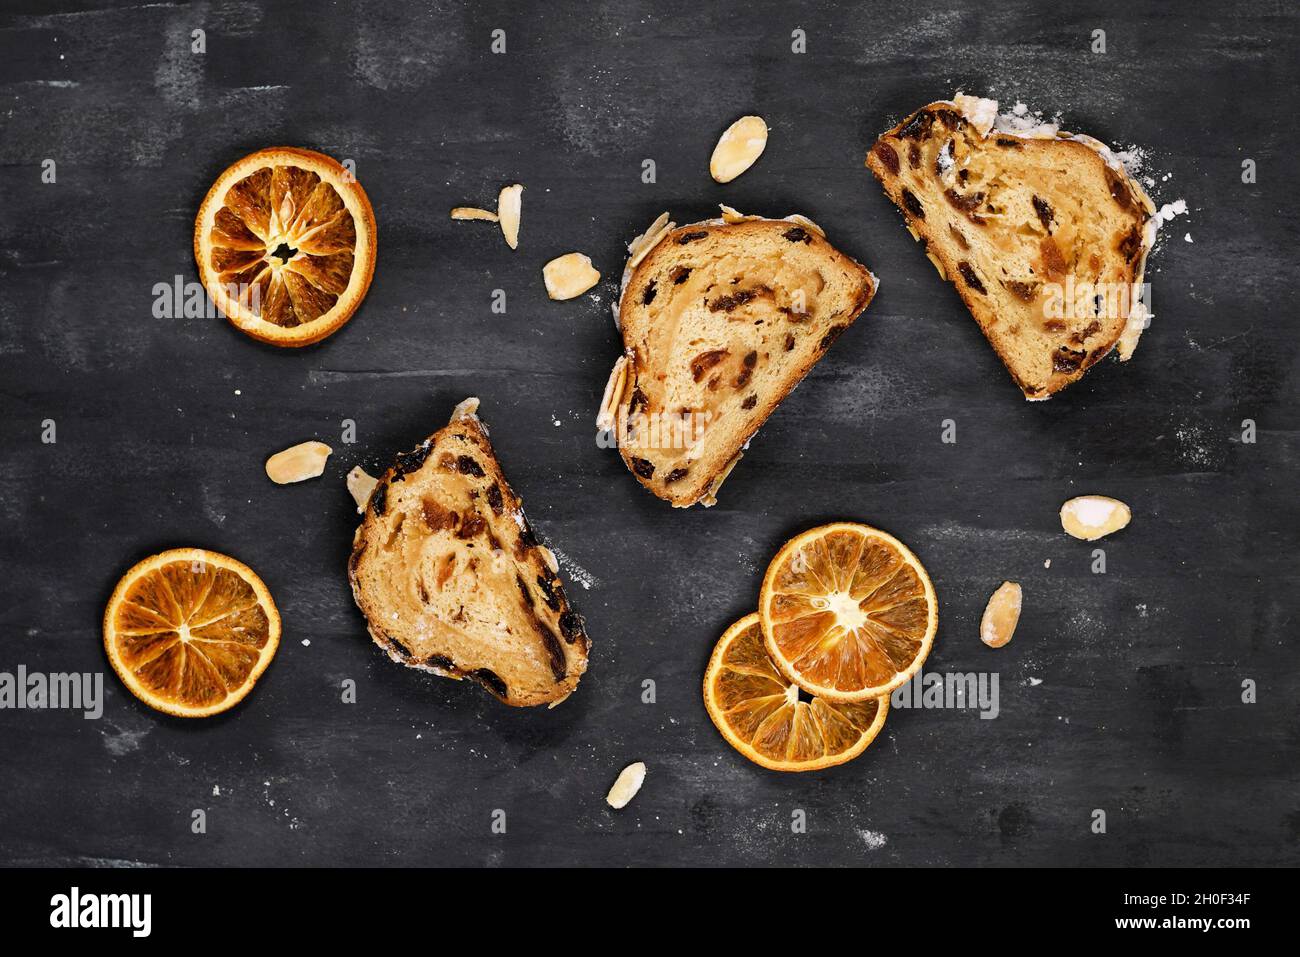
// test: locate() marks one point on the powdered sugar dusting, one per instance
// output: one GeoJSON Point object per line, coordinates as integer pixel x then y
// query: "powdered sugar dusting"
{"type": "Point", "coordinates": [873, 839]}
{"type": "Point", "coordinates": [1135, 160]}
{"type": "Point", "coordinates": [1170, 211]}
{"type": "Point", "coordinates": [1026, 122]}
{"type": "Point", "coordinates": [575, 571]}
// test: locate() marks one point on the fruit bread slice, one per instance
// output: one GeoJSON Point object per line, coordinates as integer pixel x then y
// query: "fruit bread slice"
{"type": "Point", "coordinates": [1043, 233]}
{"type": "Point", "coordinates": [720, 320]}
{"type": "Point", "coordinates": [452, 579]}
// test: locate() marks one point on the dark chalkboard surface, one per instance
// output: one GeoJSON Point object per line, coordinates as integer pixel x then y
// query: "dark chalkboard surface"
{"type": "Point", "coordinates": [1121, 692]}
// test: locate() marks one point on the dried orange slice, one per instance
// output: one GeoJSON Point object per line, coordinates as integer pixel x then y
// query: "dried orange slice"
{"type": "Point", "coordinates": [285, 244]}
{"type": "Point", "coordinates": [766, 718]}
{"type": "Point", "coordinates": [190, 631]}
{"type": "Point", "coordinates": [848, 611]}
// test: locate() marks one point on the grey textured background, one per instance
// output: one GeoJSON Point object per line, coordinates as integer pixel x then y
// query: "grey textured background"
{"type": "Point", "coordinates": [163, 426]}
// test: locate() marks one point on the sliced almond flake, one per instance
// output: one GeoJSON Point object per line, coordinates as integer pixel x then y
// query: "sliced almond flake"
{"type": "Point", "coordinates": [629, 782]}
{"type": "Point", "coordinates": [732, 215]}
{"type": "Point", "coordinates": [361, 484]}
{"type": "Point", "coordinates": [569, 276]}
{"type": "Point", "coordinates": [1090, 517]}
{"type": "Point", "coordinates": [635, 245]}
{"type": "Point", "coordinates": [1138, 319]}
{"type": "Point", "coordinates": [465, 409]}
{"type": "Point", "coordinates": [937, 265]}
{"type": "Point", "coordinates": [298, 463]}
{"type": "Point", "coordinates": [613, 399]}
{"type": "Point", "coordinates": [548, 556]}
{"type": "Point", "coordinates": [647, 246]}
{"type": "Point", "coordinates": [509, 204]}
{"type": "Point", "coordinates": [1001, 615]}
{"type": "Point", "coordinates": [738, 148]}
{"type": "Point", "coordinates": [473, 212]}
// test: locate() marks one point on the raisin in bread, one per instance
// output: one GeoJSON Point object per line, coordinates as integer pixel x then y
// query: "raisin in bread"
{"type": "Point", "coordinates": [1044, 234]}
{"type": "Point", "coordinates": [452, 579]}
{"type": "Point", "coordinates": [720, 320]}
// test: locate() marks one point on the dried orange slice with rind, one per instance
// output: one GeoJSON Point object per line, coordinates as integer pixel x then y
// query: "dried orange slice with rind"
{"type": "Point", "coordinates": [848, 612]}
{"type": "Point", "coordinates": [285, 245]}
{"type": "Point", "coordinates": [190, 631]}
{"type": "Point", "coordinates": [764, 717]}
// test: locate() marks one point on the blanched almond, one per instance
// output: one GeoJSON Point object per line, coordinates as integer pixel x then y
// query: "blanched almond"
{"type": "Point", "coordinates": [1091, 517]}
{"type": "Point", "coordinates": [473, 212]}
{"type": "Point", "coordinates": [297, 464]}
{"type": "Point", "coordinates": [739, 148]}
{"type": "Point", "coordinates": [655, 228]}
{"type": "Point", "coordinates": [1001, 615]}
{"type": "Point", "coordinates": [465, 409]}
{"type": "Point", "coordinates": [732, 215]}
{"type": "Point", "coordinates": [361, 484]}
{"type": "Point", "coordinates": [569, 276]}
{"type": "Point", "coordinates": [607, 416]}
{"type": "Point", "coordinates": [645, 243]}
{"type": "Point", "coordinates": [509, 204]}
{"type": "Point", "coordinates": [625, 788]}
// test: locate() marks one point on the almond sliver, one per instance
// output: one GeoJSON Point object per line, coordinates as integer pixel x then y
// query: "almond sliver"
{"type": "Point", "coordinates": [473, 212]}
{"type": "Point", "coordinates": [739, 148]}
{"type": "Point", "coordinates": [732, 215]}
{"type": "Point", "coordinates": [613, 398]}
{"type": "Point", "coordinates": [298, 463]}
{"type": "Point", "coordinates": [360, 485]}
{"type": "Point", "coordinates": [634, 246]}
{"type": "Point", "coordinates": [647, 245]}
{"type": "Point", "coordinates": [509, 204]}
